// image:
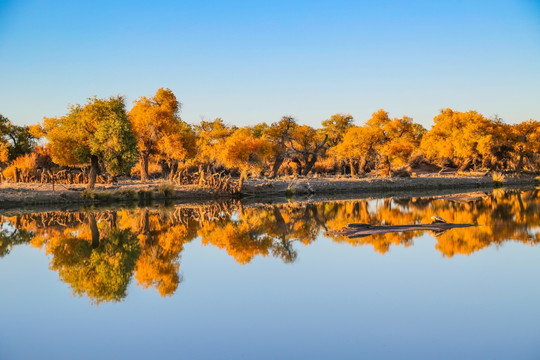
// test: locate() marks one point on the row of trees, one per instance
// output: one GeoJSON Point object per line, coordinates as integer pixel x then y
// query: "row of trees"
{"type": "Point", "coordinates": [104, 136]}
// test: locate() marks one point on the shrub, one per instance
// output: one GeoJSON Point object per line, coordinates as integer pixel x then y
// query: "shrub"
{"type": "Point", "coordinates": [166, 190]}
{"type": "Point", "coordinates": [145, 195]}
{"type": "Point", "coordinates": [498, 179]}
{"type": "Point", "coordinates": [88, 194]}
{"type": "Point", "coordinates": [95, 195]}
{"type": "Point", "coordinates": [24, 162]}
{"type": "Point", "coordinates": [127, 194]}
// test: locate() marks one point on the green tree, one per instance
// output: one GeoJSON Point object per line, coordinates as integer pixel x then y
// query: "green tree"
{"type": "Point", "coordinates": [336, 127]}
{"type": "Point", "coordinates": [15, 140]}
{"type": "Point", "coordinates": [98, 262]}
{"type": "Point", "coordinates": [98, 132]}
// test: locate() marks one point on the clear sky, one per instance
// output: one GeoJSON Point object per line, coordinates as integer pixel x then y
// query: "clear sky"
{"type": "Point", "coordinates": [253, 61]}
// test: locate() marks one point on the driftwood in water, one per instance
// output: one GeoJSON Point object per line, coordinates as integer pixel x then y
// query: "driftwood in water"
{"type": "Point", "coordinates": [361, 230]}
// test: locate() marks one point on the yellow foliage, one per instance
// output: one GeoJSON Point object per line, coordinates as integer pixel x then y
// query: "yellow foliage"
{"type": "Point", "coordinates": [210, 139]}
{"type": "Point", "coordinates": [4, 151]}
{"type": "Point", "coordinates": [23, 163]}
{"type": "Point", "coordinates": [244, 151]}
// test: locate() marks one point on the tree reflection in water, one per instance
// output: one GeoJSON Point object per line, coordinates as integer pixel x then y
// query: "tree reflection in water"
{"type": "Point", "coordinates": [98, 252]}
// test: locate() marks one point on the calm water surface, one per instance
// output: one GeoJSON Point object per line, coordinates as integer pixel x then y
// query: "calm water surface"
{"type": "Point", "coordinates": [264, 281]}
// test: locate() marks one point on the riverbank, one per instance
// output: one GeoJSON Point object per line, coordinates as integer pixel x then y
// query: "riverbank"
{"type": "Point", "coordinates": [13, 195]}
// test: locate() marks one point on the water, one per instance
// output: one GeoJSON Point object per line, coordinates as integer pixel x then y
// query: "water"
{"type": "Point", "coordinates": [264, 281]}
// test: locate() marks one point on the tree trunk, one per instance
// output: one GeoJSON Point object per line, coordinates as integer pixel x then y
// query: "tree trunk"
{"type": "Point", "coordinates": [362, 166]}
{"type": "Point", "coordinates": [143, 160]}
{"type": "Point", "coordinates": [243, 176]}
{"type": "Point", "coordinates": [277, 164]}
{"type": "Point", "coordinates": [94, 167]}
{"type": "Point", "coordinates": [309, 164]}
{"type": "Point", "coordinates": [164, 168]}
{"type": "Point", "coordinates": [144, 227]}
{"type": "Point", "coordinates": [519, 166]}
{"type": "Point", "coordinates": [173, 167]}
{"type": "Point", "coordinates": [298, 166]}
{"type": "Point", "coordinates": [353, 168]}
{"type": "Point", "coordinates": [94, 229]}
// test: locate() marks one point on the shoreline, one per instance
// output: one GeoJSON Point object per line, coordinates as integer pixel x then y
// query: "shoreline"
{"type": "Point", "coordinates": [21, 195]}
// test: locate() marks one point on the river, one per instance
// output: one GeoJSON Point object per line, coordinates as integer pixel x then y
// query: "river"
{"type": "Point", "coordinates": [265, 281]}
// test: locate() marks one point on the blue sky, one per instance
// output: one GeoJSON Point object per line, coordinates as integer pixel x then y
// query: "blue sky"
{"type": "Point", "coordinates": [254, 61]}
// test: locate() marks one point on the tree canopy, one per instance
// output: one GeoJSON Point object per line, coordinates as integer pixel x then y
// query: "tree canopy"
{"type": "Point", "coordinates": [96, 133]}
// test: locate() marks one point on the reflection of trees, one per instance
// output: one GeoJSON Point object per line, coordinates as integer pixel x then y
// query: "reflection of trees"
{"type": "Point", "coordinates": [98, 262]}
{"type": "Point", "coordinates": [95, 258]}
{"type": "Point", "coordinates": [503, 215]}
{"type": "Point", "coordinates": [161, 241]}
{"type": "Point", "coordinates": [98, 252]}
{"type": "Point", "coordinates": [263, 231]}
{"type": "Point", "coordinates": [11, 236]}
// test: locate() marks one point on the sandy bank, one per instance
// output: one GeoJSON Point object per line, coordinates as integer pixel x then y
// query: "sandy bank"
{"type": "Point", "coordinates": [19, 195]}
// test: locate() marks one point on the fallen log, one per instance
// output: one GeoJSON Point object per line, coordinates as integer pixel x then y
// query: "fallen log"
{"type": "Point", "coordinates": [438, 226]}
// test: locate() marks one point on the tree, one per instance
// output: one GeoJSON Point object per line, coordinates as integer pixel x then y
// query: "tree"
{"type": "Point", "coordinates": [336, 127]}
{"type": "Point", "coordinates": [211, 135]}
{"type": "Point", "coordinates": [244, 151]}
{"type": "Point", "coordinates": [279, 135]}
{"type": "Point", "coordinates": [15, 140]}
{"type": "Point", "coordinates": [258, 130]}
{"type": "Point", "coordinates": [357, 147]}
{"type": "Point", "coordinates": [305, 145]}
{"type": "Point", "coordinates": [463, 137]}
{"type": "Point", "coordinates": [159, 129]}
{"type": "Point", "coordinates": [98, 132]}
{"type": "Point", "coordinates": [526, 142]}
{"type": "Point", "coordinates": [401, 138]}
{"type": "Point", "coordinates": [179, 145]}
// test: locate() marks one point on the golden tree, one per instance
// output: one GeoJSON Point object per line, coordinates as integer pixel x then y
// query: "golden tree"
{"type": "Point", "coordinates": [279, 134]}
{"type": "Point", "coordinates": [211, 136]}
{"type": "Point", "coordinates": [402, 137]}
{"type": "Point", "coordinates": [526, 143]}
{"type": "Point", "coordinates": [466, 138]}
{"type": "Point", "coordinates": [159, 129]}
{"type": "Point", "coordinates": [305, 146]}
{"type": "Point", "coordinates": [245, 152]}
{"type": "Point", "coordinates": [357, 147]}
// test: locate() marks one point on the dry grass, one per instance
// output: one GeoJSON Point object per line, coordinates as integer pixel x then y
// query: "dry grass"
{"type": "Point", "coordinates": [498, 179]}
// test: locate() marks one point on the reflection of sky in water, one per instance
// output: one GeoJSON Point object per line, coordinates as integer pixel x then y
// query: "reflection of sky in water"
{"type": "Point", "coordinates": [334, 301]}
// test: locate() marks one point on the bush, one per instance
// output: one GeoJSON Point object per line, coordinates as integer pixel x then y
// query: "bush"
{"type": "Point", "coordinates": [25, 162]}
{"type": "Point", "coordinates": [145, 195]}
{"type": "Point", "coordinates": [95, 195]}
{"type": "Point", "coordinates": [166, 190]}
{"type": "Point", "coordinates": [154, 170]}
{"type": "Point", "coordinates": [127, 194]}
{"type": "Point", "coordinates": [88, 194]}
{"type": "Point", "coordinates": [498, 179]}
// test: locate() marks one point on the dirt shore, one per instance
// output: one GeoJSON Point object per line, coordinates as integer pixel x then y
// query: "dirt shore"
{"type": "Point", "coordinates": [15, 195]}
